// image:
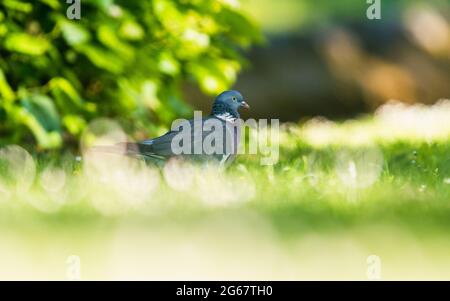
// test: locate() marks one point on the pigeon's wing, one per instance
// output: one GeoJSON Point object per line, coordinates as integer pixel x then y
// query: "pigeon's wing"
{"type": "Point", "coordinates": [194, 135]}
{"type": "Point", "coordinates": [163, 145]}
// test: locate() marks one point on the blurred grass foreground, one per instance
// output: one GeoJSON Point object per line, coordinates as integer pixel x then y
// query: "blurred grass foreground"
{"type": "Point", "coordinates": [340, 193]}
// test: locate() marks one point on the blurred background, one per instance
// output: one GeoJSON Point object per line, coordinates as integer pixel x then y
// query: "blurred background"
{"type": "Point", "coordinates": [326, 58]}
{"type": "Point", "coordinates": [146, 63]}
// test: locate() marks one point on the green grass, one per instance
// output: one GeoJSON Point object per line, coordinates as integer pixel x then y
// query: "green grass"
{"type": "Point", "coordinates": [339, 193]}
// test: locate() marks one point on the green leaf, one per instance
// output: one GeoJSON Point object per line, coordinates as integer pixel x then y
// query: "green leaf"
{"type": "Point", "coordinates": [55, 4]}
{"type": "Point", "coordinates": [74, 33]}
{"type": "Point", "coordinates": [131, 30]}
{"type": "Point", "coordinates": [102, 58]}
{"type": "Point", "coordinates": [44, 138]}
{"type": "Point", "coordinates": [214, 76]}
{"type": "Point", "coordinates": [63, 90]}
{"type": "Point", "coordinates": [5, 90]}
{"type": "Point", "coordinates": [108, 37]}
{"type": "Point", "coordinates": [168, 64]}
{"type": "Point", "coordinates": [74, 124]}
{"type": "Point", "coordinates": [18, 6]}
{"type": "Point", "coordinates": [39, 114]}
{"type": "Point", "coordinates": [27, 44]}
{"type": "Point", "coordinates": [43, 110]}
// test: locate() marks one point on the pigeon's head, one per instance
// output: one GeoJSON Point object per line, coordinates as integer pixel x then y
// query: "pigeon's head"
{"type": "Point", "coordinates": [228, 103]}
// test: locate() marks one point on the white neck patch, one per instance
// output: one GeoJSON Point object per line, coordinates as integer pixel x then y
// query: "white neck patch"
{"type": "Point", "coordinates": [226, 117]}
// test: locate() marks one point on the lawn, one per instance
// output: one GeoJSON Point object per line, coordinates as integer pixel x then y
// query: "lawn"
{"type": "Point", "coordinates": [340, 192]}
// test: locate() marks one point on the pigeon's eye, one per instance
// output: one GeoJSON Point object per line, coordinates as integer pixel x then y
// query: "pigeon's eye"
{"type": "Point", "coordinates": [234, 98]}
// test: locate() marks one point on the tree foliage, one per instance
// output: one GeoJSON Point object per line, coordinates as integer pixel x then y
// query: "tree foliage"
{"type": "Point", "coordinates": [123, 59]}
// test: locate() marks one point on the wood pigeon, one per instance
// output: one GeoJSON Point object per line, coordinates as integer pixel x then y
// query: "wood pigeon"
{"type": "Point", "coordinates": [194, 139]}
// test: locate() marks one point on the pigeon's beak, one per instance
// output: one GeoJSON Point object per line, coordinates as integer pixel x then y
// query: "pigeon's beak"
{"type": "Point", "coordinates": [245, 105]}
